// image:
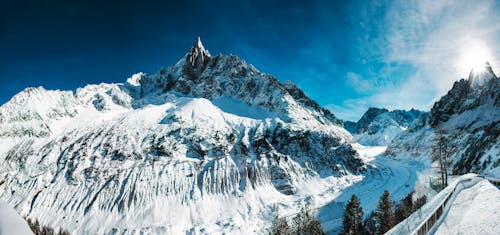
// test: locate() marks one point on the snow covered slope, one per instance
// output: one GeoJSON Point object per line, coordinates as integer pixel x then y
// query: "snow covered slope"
{"type": "Point", "coordinates": [11, 222]}
{"type": "Point", "coordinates": [377, 127]}
{"type": "Point", "coordinates": [205, 146]}
{"type": "Point", "coordinates": [470, 114]}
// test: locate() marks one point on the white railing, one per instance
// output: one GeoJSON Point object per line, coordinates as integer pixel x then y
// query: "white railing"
{"type": "Point", "coordinates": [427, 224]}
{"type": "Point", "coordinates": [495, 182]}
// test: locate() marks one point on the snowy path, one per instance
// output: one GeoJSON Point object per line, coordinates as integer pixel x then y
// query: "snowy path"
{"type": "Point", "coordinates": [474, 210]}
{"type": "Point", "coordinates": [395, 175]}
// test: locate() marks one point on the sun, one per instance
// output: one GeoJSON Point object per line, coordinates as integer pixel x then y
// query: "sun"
{"type": "Point", "coordinates": [472, 56]}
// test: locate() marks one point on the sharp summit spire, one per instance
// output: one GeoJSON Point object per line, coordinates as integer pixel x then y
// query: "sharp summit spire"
{"type": "Point", "coordinates": [198, 56]}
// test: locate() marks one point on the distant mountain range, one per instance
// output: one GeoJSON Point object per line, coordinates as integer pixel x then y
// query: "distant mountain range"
{"type": "Point", "coordinates": [378, 126]}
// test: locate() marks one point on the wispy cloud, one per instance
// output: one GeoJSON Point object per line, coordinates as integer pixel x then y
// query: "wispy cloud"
{"type": "Point", "coordinates": [358, 83]}
{"type": "Point", "coordinates": [427, 36]}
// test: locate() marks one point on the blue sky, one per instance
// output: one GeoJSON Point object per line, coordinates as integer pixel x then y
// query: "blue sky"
{"type": "Point", "coordinates": [347, 55]}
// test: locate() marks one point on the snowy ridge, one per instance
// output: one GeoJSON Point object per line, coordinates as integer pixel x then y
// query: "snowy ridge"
{"type": "Point", "coordinates": [205, 146]}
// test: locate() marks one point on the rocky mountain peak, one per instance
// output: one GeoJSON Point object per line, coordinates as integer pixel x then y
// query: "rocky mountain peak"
{"type": "Point", "coordinates": [227, 77]}
{"type": "Point", "coordinates": [479, 77]}
{"type": "Point", "coordinates": [481, 88]}
{"type": "Point", "coordinates": [198, 56]}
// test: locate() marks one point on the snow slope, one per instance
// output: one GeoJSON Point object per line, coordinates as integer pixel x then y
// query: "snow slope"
{"type": "Point", "coordinates": [11, 222]}
{"type": "Point", "coordinates": [208, 145]}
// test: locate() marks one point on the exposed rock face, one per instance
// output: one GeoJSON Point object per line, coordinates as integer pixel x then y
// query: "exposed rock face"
{"type": "Point", "coordinates": [470, 113]}
{"type": "Point", "coordinates": [197, 58]}
{"type": "Point", "coordinates": [206, 130]}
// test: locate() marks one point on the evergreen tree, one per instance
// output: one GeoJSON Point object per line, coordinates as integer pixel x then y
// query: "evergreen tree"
{"type": "Point", "coordinates": [280, 225]}
{"type": "Point", "coordinates": [302, 220]}
{"type": "Point", "coordinates": [384, 214]}
{"type": "Point", "coordinates": [315, 228]}
{"type": "Point", "coordinates": [305, 223]}
{"type": "Point", "coordinates": [419, 203]}
{"type": "Point", "coordinates": [370, 224]}
{"type": "Point", "coordinates": [405, 208]}
{"type": "Point", "coordinates": [352, 218]}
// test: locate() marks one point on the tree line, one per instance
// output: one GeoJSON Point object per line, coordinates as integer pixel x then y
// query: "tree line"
{"type": "Point", "coordinates": [304, 223]}
{"type": "Point", "coordinates": [386, 216]}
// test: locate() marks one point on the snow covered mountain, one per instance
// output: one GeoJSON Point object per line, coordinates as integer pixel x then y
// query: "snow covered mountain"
{"type": "Point", "coordinates": [377, 127]}
{"type": "Point", "coordinates": [470, 114]}
{"type": "Point", "coordinates": [205, 146]}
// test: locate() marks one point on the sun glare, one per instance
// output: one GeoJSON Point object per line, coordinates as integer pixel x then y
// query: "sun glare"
{"type": "Point", "coordinates": [473, 56]}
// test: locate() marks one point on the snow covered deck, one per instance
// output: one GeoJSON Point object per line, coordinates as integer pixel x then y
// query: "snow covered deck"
{"type": "Point", "coordinates": [469, 205]}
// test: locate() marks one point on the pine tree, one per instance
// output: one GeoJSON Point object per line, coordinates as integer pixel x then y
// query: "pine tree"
{"type": "Point", "coordinates": [315, 228]}
{"type": "Point", "coordinates": [301, 220]}
{"type": "Point", "coordinates": [384, 214]}
{"type": "Point", "coordinates": [280, 225]}
{"type": "Point", "coordinates": [36, 227]}
{"type": "Point", "coordinates": [419, 203]}
{"type": "Point", "coordinates": [405, 208]}
{"type": "Point", "coordinates": [370, 224]}
{"type": "Point", "coordinates": [352, 218]}
{"type": "Point", "coordinates": [305, 223]}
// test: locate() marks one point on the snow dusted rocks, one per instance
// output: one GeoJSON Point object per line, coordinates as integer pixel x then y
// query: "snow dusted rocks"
{"type": "Point", "coordinates": [481, 88]}
{"type": "Point", "coordinates": [470, 113]}
{"type": "Point", "coordinates": [167, 152]}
